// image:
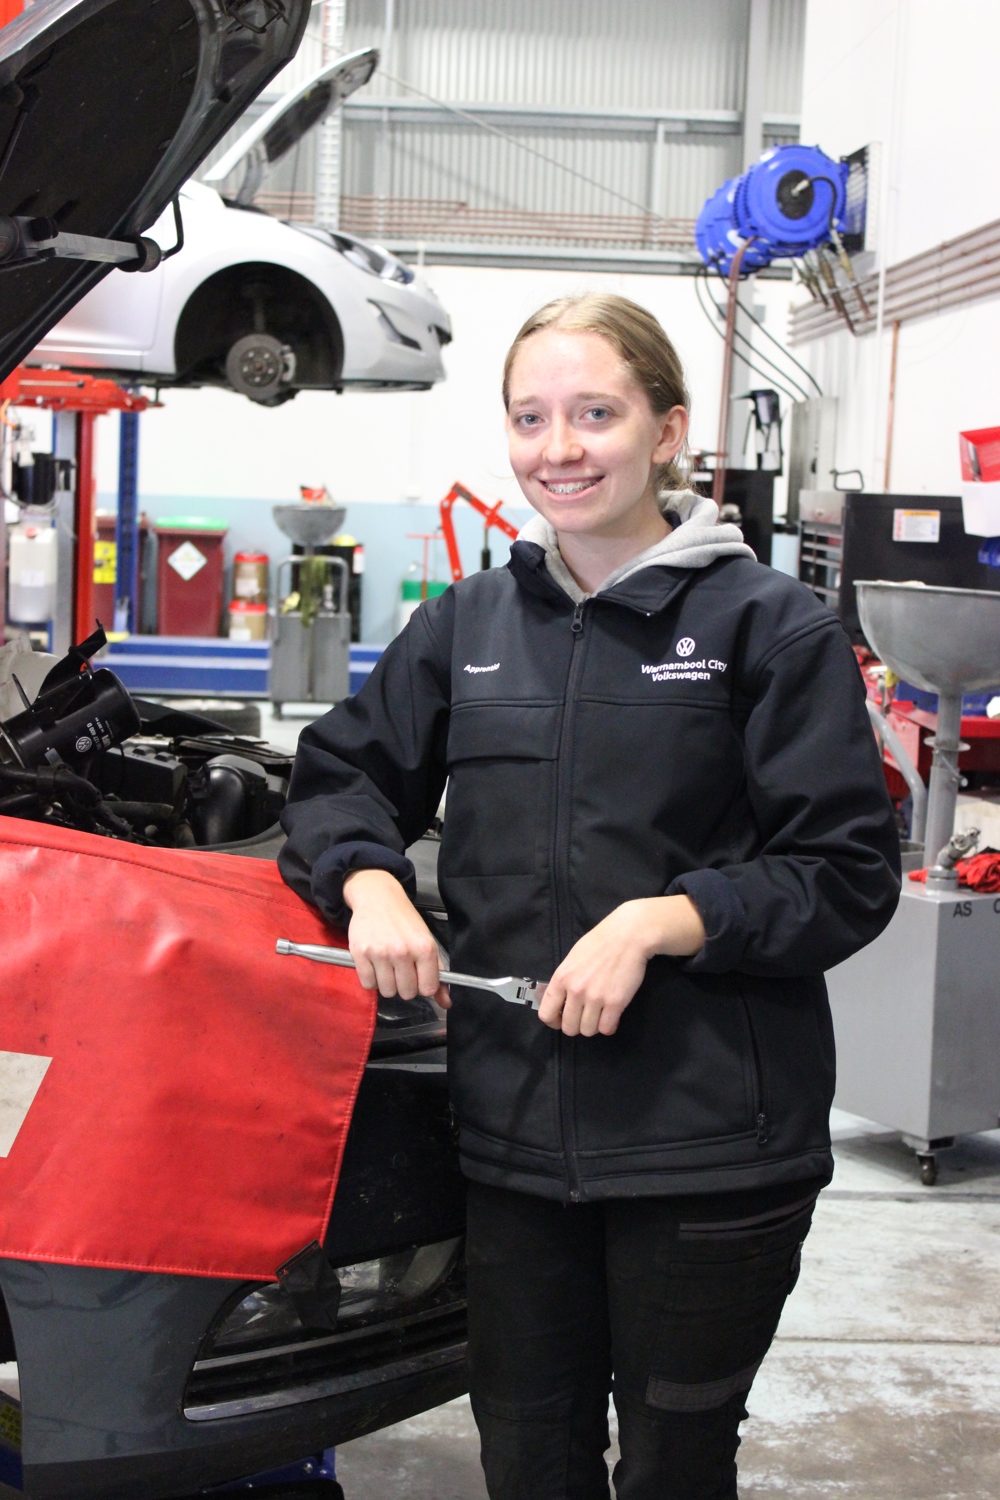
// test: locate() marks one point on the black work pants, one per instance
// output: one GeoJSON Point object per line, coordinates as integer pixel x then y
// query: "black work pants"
{"type": "Point", "coordinates": [673, 1302]}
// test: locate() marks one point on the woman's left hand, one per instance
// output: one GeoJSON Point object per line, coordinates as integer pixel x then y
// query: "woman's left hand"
{"type": "Point", "coordinates": [600, 974]}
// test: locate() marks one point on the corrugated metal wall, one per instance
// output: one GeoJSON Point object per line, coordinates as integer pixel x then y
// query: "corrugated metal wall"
{"type": "Point", "coordinates": [460, 163]}
{"type": "Point", "coordinates": [406, 170]}
{"type": "Point", "coordinates": [634, 54]}
{"type": "Point", "coordinates": [786, 46]}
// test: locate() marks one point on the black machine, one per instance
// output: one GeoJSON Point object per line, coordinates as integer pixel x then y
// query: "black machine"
{"type": "Point", "coordinates": [899, 538]}
{"type": "Point", "coordinates": [748, 499]}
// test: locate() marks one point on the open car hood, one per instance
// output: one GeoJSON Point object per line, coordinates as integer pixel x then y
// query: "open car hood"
{"type": "Point", "coordinates": [106, 108]}
{"type": "Point", "coordinates": [289, 118]}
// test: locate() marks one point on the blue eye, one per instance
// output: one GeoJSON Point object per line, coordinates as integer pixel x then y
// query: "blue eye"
{"type": "Point", "coordinates": [598, 412]}
{"type": "Point", "coordinates": [527, 418]}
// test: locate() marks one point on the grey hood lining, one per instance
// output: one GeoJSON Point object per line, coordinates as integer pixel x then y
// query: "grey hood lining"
{"type": "Point", "coordinates": [695, 543]}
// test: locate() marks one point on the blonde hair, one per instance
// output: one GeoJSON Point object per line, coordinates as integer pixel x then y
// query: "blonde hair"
{"type": "Point", "coordinates": [638, 339]}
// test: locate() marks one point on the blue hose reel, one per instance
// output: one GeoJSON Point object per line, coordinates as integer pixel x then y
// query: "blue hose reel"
{"type": "Point", "coordinates": [787, 202]}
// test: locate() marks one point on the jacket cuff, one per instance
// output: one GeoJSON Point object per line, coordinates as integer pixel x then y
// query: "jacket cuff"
{"type": "Point", "coordinates": [335, 864]}
{"type": "Point", "coordinates": [721, 910]}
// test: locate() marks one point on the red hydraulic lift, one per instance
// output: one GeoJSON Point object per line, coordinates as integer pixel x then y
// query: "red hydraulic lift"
{"type": "Point", "coordinates": [86, 397]}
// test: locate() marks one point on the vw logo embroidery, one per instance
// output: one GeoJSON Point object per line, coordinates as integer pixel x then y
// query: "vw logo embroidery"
{"type": "Point", "coordinates": [685, 646]}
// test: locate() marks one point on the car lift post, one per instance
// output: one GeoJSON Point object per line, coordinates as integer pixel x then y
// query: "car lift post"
{"type": "Point", "coordinates": [127, 526]}
{"type": "Point", "coordinates": [83, 527]}
{"type": "Point", "coordinates": [84, 397]}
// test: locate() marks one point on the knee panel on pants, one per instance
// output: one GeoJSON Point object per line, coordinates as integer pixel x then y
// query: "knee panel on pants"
{"type": "Point", "coordinates": [727, 1286]}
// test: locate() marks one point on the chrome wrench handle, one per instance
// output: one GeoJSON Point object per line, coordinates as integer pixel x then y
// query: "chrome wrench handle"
{"type": "Point", "coordinates": [516, 991]}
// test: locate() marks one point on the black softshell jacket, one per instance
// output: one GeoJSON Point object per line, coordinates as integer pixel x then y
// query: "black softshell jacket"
{"type": "Point", "coordinates": [691, 730]}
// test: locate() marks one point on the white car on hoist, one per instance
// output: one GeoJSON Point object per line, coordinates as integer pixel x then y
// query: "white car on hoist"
{"type": "Point", "coordinates": [261, 305]}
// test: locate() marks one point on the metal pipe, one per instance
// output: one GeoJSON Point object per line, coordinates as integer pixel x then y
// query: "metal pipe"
{"type": "Point", "coordinates": [936, 277]}
{"type": "Point", "coordinates": [891, 414]}
{"type": "Point", "coordinates": [958, 272]}
{"type": "Point", "coordinates": [945, 778]}
{"type": "Point", "coordinates": [719, 481]}
{"type": "Point", "coordinates": [906, 768]}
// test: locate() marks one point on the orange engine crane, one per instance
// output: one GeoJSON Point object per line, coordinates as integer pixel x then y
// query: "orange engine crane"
{"type": "Point", "coordinates": [491, 517]}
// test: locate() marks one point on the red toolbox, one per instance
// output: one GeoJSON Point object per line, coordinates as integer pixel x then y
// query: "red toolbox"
{"type": "Point", "coordinates": [189, 575]}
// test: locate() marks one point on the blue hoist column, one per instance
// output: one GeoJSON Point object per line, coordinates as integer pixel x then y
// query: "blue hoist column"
{"type": "Point", "coordinates": [127, 530]}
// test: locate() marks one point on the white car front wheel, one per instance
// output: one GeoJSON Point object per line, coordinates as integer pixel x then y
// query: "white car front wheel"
{"type": "Point", "coordinates": [261, 367]}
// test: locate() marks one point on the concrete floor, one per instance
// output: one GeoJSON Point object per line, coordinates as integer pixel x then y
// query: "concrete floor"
{"type": "Point", "coordinates": [285, 731]}
{"type": "Point", "coordinates": [884, 1380]}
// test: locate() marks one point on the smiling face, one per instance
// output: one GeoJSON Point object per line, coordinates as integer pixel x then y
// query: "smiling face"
{"type": "Point", "coordinates": [584, 439]}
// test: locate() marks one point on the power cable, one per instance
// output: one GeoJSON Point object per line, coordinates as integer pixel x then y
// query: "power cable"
{"type": "Point", "coordinates": [779, 345]}
{"type": "Point", "coordinates": [749, 363]}
{"type": "Point", "coordinates": [769, 362]}
{"type": "Point", "coordinates": [746, 342]}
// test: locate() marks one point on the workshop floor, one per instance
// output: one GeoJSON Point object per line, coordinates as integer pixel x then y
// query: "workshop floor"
{"type": "Point", "coordinates": [884, 1380]}
{"type": "Point", "coordinates": [286, 730]}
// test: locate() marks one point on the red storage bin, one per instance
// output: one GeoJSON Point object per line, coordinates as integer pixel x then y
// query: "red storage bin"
{"type": "Point", "coordinates": [189, 575]}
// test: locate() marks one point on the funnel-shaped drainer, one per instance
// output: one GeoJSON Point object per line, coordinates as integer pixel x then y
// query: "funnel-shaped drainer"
{"type": "Point", "coordinates": [946, 641]}
{"type": "Point", "coordinates": [941, 640]}
{"type": "Point", "coordinates": [309, 523]}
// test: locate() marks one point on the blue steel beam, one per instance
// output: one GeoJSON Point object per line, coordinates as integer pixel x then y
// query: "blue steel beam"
{"type": "Point", "coordinates": [127, 529]}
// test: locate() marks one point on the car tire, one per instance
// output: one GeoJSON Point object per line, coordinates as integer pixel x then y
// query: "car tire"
{"type": "Point", "coordinates": [236, 717]}
{"type": "Point", "coordinates": [261, 367]}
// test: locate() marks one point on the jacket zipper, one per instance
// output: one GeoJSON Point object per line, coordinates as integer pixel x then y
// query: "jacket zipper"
{"type": "Point", "coordinates": [761, 1122]}
{"type": "Point", "coordinates": [562, 887]}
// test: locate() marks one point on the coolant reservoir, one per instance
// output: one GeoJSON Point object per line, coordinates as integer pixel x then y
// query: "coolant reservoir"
{"type": "Point", "coordinates": [32, 594]}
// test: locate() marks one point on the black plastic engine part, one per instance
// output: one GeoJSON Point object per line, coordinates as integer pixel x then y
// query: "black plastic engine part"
{"type": "Point", "coordinates": [76, 713]}
{"type": "Point", "coordinates": [199, 716]}
{"type": "Point", "coordinates": [141, 773]}
{"type": "Point", "coordinates": [73, 721]}
{"type": "Point", "coordinates": [230, 800]}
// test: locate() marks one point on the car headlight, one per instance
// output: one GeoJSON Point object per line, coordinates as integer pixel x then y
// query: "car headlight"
{"type": "Point", "coordinates": [377, 1287]}
{"type": "Point", "coordinates": [373, 259]}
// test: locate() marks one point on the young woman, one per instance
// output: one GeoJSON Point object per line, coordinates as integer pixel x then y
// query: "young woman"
{"type": "Point", "coordinates": [664, 798]}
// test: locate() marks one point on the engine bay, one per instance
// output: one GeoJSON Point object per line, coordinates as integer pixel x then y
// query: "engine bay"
{"type": "Point", "coordinates": [81, 752]}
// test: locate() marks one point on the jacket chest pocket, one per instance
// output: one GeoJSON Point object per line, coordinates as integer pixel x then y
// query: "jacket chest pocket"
{"type": "Point", "coordinates": [501, 781]}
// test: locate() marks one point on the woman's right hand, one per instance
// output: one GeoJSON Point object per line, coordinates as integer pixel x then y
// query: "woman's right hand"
{"type": "Point", "coordinates": [391, 944]}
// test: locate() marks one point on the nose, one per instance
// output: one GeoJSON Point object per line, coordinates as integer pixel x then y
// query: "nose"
{"type": "Point", "coordinates": [563, 445]}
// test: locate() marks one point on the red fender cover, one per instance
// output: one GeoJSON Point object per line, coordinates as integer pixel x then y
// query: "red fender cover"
{"type": "Point", "coordinates": [192, 1113]}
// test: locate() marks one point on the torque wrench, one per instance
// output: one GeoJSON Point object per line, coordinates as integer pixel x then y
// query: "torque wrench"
{"type": "Point", "coordinates": [517, 991]}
